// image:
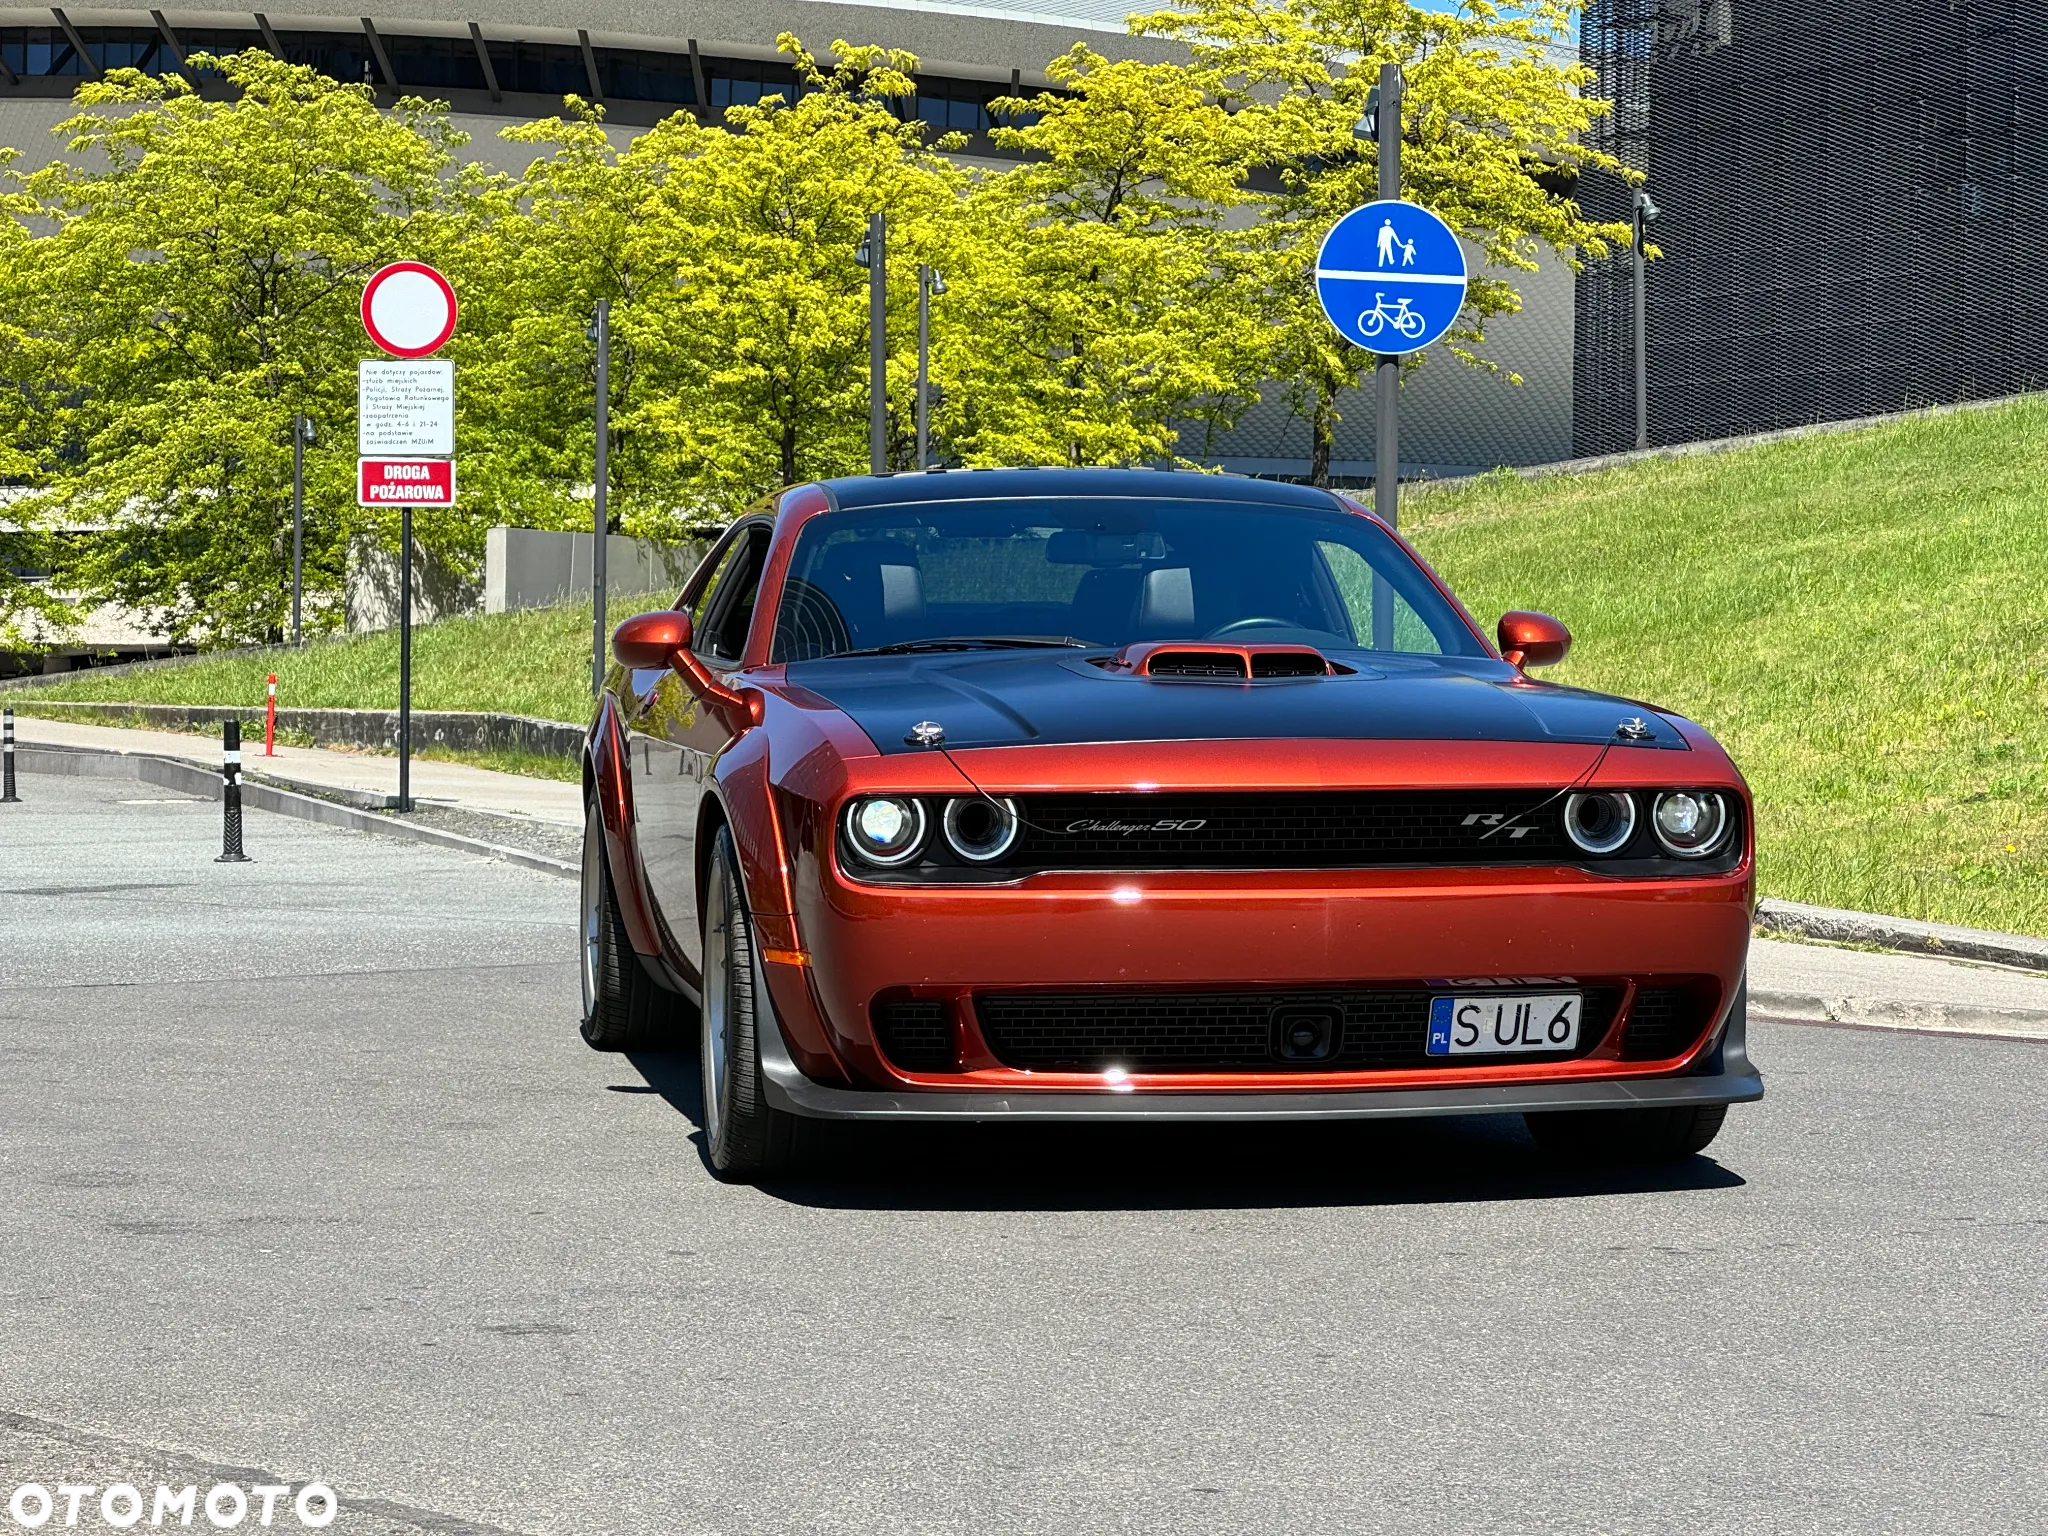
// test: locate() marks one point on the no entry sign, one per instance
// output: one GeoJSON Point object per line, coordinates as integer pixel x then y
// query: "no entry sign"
{"type": "Point", "coordinates": [409, 309]}
{"type": "Point", "coordinates": [406, 483]}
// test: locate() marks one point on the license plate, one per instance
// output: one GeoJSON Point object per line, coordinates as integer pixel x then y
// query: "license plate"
{"type": "Point", "coordinates": [1492, 1026]}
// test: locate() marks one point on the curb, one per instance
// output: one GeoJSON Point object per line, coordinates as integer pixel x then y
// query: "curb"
{"type": "Point", "coordinates": [169, 773]}
{"type": "Point", "coordinates": [1909, 1017]}
{"type": "Point", "coordinates": [1904, 934]}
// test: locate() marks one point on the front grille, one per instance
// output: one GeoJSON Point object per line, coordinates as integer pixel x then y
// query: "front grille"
{"type": "Point", "coordinates": [1234, 1031]}
{"type": "Point", "coordinates": [1662, 1022]}
{"type": "Point", "coordinates": [1282, 831]}
{"type": "Point", "coordinates": [915, 1035]}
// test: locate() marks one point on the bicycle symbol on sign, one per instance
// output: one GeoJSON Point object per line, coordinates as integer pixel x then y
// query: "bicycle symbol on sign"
{"type": "Point", "coordinates": [1399, 316]}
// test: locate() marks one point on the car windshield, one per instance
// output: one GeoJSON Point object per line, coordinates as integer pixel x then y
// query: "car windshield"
{"type": "Point", "coordinates": [1106, 571]}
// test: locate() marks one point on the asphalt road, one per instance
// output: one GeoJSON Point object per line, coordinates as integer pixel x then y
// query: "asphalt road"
{"type": "Point", "coordinates": [306, 1171]}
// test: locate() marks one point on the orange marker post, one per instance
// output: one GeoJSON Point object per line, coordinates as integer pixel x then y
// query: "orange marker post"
{"type": "Point", "coordinates": [270, 719]}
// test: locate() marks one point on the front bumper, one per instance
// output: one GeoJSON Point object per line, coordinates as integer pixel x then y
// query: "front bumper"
{"type": "Point", "coordinates": [1723, 1075]}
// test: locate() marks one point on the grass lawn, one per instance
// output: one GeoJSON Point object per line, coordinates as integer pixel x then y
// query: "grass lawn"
{"type": "Point", "coordinates": [533, 662]}
{"type": "Point", "coordinates": [1862, 620]}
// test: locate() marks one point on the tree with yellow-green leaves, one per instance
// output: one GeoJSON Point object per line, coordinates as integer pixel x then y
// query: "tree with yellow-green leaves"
{"type": "Point", "coordinates": [739, 315]}
{"type": "Point", "coordinates": [193, 286]}
{"type": "Point", "coordinates": [531, 256]}
{"type": "Point", "coordinates": [1492, 132]}
{"type": "Point", "coordinates": [26, 605]}
{"type": "Point", "coordinates": [1114, 309]}
{"type": "Point", "coordinates": [761, 332]}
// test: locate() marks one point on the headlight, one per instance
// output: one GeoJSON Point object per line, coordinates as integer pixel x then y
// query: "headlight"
{"type": "Point", "coordinates": [1690, 822]}
{"type": "Point", "coordinates": [980, 830]}
{"type": "Point", "coordinates": [1600, 822]}
{"type": "Point", "coordinates": [885, 829]}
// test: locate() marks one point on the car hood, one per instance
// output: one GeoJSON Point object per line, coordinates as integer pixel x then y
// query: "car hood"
{"type": "Point", "coordinates": [1023, 698]}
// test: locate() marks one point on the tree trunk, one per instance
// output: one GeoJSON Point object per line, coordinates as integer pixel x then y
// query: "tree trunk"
{"type": "Point", "coordinates": [789, 453]}
{"type": "Point", "coordinates": [1322, 436]}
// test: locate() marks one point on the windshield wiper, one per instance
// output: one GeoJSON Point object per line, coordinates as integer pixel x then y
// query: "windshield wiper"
{"type": "Point", "coordinates": [971, 643]}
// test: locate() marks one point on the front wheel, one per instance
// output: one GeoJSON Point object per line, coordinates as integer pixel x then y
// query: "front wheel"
{"type": "Point", "coordinates": [1628, 1135]}
{"type": "Point", "coordinates": [744, 1135]}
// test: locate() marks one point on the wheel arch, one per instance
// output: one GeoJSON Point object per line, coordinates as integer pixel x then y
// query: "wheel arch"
{"type": "Point", "coordinates": [608, 780]}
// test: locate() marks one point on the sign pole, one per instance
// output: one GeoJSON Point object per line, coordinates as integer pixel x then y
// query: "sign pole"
{"type": "Point", "coordinates": [298, 516]}
{"type": "Point", "coordinates": [405, 658]}
{"type": "Point", "coordinates": [1386, 468]}
{"type": "Point", "coordinates": [600, 517]}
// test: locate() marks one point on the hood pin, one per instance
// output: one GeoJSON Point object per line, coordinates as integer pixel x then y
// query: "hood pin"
{"type": "Point", "coordinates": [926, 733]}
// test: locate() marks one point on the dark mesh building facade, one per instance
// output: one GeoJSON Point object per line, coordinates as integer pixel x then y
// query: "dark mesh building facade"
{"type": "Point", "coordinates": [1852, 195]}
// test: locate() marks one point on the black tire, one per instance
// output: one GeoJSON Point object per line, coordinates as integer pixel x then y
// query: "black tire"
{"type": "Point", "coordinates": [744, 1135]}
{"type": "Point", "coordinates": [624, 1009]}
{"type": "Point", "coordinates": [1627, 1135]}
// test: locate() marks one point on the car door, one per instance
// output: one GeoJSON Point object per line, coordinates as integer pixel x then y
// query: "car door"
{"type": "Point", "coordinates": [673, 736]}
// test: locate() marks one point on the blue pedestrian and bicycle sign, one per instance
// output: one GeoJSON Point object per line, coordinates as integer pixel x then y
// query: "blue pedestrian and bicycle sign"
{"type": "Point", "coordinates": [1391, 276]}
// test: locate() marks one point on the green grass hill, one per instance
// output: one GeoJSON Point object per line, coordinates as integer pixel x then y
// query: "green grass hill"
{"type": "Point", "coordinates": [1861, 618]}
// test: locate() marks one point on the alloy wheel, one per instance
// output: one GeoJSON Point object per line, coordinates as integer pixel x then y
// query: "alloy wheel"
{"type": "Point", "coordinates": [717, 1007]}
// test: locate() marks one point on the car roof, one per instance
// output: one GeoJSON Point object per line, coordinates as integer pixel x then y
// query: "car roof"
{"type": "Point", "coordinates": [1008, 484]}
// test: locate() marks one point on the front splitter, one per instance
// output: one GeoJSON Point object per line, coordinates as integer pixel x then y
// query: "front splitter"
{"type": "Point", "coordinates": [1736, 1082]}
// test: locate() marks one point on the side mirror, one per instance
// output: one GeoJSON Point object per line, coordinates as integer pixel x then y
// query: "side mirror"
{"type": "Point", "coordinates": [1532, 639]}
{"type": "Point", "coordinates": [651, 639]}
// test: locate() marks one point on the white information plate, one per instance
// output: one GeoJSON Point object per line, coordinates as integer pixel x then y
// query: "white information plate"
{"type": "Point", "coordinates": [1498, 1023]}
{"type": "Point", "coordinates": [405, 410]}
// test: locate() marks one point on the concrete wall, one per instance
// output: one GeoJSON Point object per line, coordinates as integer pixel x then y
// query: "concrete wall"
{"type": "Point", "coordinates": [529, 568]}
{"type": "Point", "coordinates": [371, 586]}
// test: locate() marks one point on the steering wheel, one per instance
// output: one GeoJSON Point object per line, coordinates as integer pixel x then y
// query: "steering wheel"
{"type": "Point", "coordinates": [1258, 622]}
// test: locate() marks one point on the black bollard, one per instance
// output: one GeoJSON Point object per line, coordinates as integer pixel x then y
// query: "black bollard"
{"type": "Point", "coordinates": [7, 794]}
{"type": "Point", "coordinates": [231, 794]}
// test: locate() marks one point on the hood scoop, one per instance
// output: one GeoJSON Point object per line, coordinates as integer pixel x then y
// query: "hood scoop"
{"type": "Point", "coordinates": [1204, 661]}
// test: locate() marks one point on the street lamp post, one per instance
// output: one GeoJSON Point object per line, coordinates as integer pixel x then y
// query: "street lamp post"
{"type": "Point", "coordinates": [302, 434]}
{"type": "Point", "coordinates": [873, 256]}
{"type": "Point", "coordinates": [600, 516]}
{"type": "Point", "coordinates": [929, 286]}
{"type": "Point", "coordinates": [1645, 213]}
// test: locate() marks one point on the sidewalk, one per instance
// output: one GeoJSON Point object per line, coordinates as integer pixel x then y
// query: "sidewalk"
{"type": "Point", "coordinates": [318, 770]}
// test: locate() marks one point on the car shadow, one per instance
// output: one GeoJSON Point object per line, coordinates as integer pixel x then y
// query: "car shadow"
{"type": "Point", "coordinates": [1041, 1167]}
